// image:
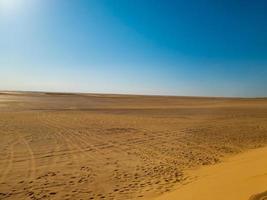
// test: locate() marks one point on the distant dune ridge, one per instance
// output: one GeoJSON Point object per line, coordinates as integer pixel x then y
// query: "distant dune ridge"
{"type": "Point", "coordinates": [95, 146]}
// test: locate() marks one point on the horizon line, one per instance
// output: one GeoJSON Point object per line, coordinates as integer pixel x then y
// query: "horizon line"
{"type": "Point", "coordinates": [130, 94]}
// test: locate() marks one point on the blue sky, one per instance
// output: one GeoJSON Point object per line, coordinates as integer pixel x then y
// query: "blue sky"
{"type": "Point", "coordinates": [199, 48]}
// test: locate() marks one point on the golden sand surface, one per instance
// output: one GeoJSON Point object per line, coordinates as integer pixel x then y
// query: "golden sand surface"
{"type": "Point", "coordinates": [237, 178]}
{"type": "Point", "coordinates": [93, 146]}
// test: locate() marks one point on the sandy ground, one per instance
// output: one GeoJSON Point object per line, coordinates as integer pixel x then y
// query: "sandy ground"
{"type": "Point", "coordinates": [84, 146]}
{"type": "Point", "coordinates": [236, 178]}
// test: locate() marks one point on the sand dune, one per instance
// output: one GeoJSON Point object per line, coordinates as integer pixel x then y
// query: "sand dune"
{"type": "Point", "coordinates": [86, 146]}
{"type": "Point", "coordinates": [236, 178]}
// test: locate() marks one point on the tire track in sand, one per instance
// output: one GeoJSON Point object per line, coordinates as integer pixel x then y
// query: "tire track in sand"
{"type": "Point", "coordinates": [72, 139]}
{"type": "Point", "coordinates": [10, 163]}
{"type": "Point", "coordinates": [56, 148]}
{"type": "Point", "coordinates": [58, 135]}
{"type": "Point", "coordinates": [32, 169]}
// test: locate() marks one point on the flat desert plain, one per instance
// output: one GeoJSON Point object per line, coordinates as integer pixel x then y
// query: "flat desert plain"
{"type": "Point", "coordinates": [93, 146]}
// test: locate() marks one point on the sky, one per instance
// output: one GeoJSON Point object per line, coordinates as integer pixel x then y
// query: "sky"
{"type": "Point", "coordinates": [158, 47]}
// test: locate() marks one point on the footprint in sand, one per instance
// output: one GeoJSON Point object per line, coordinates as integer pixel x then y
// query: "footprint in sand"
{"type": "Point", "coordinates": [260, 196]}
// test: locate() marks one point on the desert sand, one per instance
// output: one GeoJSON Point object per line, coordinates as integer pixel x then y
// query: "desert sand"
{"type": "Point", "coordinates": [93, 146]}
{"type": "Point", "coordinates": [236, 178]}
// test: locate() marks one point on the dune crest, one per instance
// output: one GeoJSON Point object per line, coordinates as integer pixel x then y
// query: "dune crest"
{"type": "Point", "coordinates": [235, 179]}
